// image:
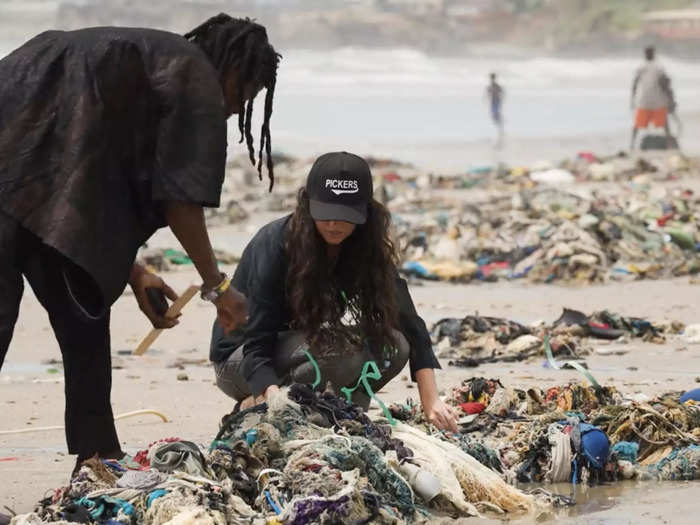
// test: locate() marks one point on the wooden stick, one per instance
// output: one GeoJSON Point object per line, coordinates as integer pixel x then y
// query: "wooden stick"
{"type": "Point", "coordinates": [174, 309]}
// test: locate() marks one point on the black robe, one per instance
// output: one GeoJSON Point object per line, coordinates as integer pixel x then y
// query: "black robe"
{"type": "Point", "coordinates": [100, 126]}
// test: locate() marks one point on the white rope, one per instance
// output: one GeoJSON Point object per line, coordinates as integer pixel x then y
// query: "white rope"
{"type": "Point", "coordinates": [61, 427]}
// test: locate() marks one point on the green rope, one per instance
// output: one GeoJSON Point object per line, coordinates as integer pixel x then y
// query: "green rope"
{"type": "Point", "coordinates": [574, 364]}
{"type": "Point", "coordinates": [363, 380]}
{"type": "Point", "coordinates": [366, 373]}
{"type": "Point", "coordinates": [313, 362]}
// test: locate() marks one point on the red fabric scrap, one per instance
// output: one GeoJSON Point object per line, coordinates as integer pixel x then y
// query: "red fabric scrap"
{"type": "Point", "coordinates": [488, 269]}
{"type": "Point", "coordinates": [587, 156]}
{"type": "Point", "coordinates": [661, 221]}
{"type": "Point", "coordinates": [141, 456]}
{"type": "Point", "coordinates": [472, 407]}
{"type": "Point", "coordinates": [552, 394]}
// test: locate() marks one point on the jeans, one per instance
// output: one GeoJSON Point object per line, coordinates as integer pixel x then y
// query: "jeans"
{"type": "Point", "coordinates": [292, 365]}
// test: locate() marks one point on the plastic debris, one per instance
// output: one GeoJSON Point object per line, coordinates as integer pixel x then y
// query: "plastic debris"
{"type": "Point", "coordinates": [304, 457]}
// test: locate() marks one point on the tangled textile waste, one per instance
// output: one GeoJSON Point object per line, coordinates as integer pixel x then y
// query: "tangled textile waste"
{"type": "Point", "coordinates": [520, 224]}
{"type": "Point", "coordinates": [547, 235]}
{"type": "Point", "coordinates": [474, 340]}
{"type": "Point", "coordinates": [571, 432]}
{"type": "Point", "coordinates": [681, 464]}
{"type": "Point", "coordinates": [303, 457]}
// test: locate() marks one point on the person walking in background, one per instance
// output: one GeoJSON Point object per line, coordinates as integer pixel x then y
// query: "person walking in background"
{"type": "Point", "coordinates": [495, 94]}
{"type": "Point", "coordinates": [652, 98]}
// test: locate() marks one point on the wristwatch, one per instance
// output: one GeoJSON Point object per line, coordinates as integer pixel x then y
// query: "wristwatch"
{"type": "Point", "coordinates": [213, 294]}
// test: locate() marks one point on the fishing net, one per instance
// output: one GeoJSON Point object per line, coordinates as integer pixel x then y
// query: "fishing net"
{"type": "Point", "coordinates": [465, 481]}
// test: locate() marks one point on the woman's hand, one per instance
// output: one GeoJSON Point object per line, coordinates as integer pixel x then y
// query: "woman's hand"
{"type": "Point", "coordinates": [252, 401]}
{"type": "Point", "coordinates": [436, 411]}
{"type": "Point", "coordinates": [440, 415]}
{"type": "Point", "coordinates": [231, 309]}
{"type": "Point", "coordinates": [140, 280]}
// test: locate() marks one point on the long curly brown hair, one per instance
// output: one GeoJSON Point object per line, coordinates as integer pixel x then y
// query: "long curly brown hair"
{"type": "Point", "coordinates": [361, 279]}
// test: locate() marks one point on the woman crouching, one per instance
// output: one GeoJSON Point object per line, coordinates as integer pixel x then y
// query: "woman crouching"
{"type": "Point", "coordinates": [325, 279]}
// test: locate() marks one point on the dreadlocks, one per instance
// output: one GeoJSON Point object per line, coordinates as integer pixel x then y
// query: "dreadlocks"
{"type": "Point", "coordinates": [242, 44]}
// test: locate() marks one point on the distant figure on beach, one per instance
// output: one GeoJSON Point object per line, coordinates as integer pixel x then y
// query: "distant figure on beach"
{"type": "Point", "coordinates": [495, 95]}
{"type": "Point", "coordinates": [652, 97]}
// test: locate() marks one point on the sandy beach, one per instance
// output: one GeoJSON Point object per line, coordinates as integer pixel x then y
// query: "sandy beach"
{"type": "Point", "coordinates": [411, 88]}
{"type": "Point", "coordinates": [31, 389]}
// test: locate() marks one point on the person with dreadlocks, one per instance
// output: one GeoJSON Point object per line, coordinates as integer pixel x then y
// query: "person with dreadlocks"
{"type": "Point", "coordinates": [106, 135]}
{"type": "Point", "coordinates": [324, 280]}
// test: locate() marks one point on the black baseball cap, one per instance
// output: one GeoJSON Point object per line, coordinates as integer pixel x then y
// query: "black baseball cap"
{"type": "Point", "coordinates": [339, 188]}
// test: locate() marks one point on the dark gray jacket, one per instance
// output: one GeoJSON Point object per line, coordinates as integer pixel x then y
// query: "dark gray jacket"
{"type": "Point", "coordinates": [261, 277]}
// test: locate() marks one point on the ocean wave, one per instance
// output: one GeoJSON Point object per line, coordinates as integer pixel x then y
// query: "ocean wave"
{"type": "Point", "coordinates": [408, 72]}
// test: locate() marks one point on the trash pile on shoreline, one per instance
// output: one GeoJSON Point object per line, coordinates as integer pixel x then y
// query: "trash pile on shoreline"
{"type": "Point", "coordinates": [407, 188]}
{"type": "Point", "coordinates": [311, 457]}
{"type": "Point", "coordinates": [475, 340]}
{"type": "Point", "coordinates": [573, 432]}
{"type": "Point", "coordinates": [584, 167]}
{"type": "Point", "coordinates": [308, 457]}
{"type": "Point", "coordinates": [518, 223]}
{"type": "Point", "coordinates": [549, 235]}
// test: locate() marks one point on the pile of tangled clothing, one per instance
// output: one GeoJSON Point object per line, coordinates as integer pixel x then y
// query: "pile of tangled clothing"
{"type": "Point", "coordinates": [475, 340]}
{"type": "Point", "coordinates": [586, 166]}
{"type": "Point", "coordinates": [613, 326]}
{"type": "Point", "coordinates": [411, 192]}
{"type": "Point", "coordinates": [407, 189]}
{"type": "Point", "coordinates": [548, 235]}
{"type": "Point", "coordinates": [303, 457]}
{"type": "Point", "coordinates": [573, 432]}
{"type": "Point", "coordinates": [622, 168]}
{"type": "Point", "coordinates": [516, 223]}
{"type": "Point", "coordinates": [477, 394]}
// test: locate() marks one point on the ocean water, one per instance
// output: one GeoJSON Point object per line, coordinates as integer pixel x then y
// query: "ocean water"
{"type": "Point", "coordinates": [404, 95]}
{"type": "Point", "coordinates": [399, 101]}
